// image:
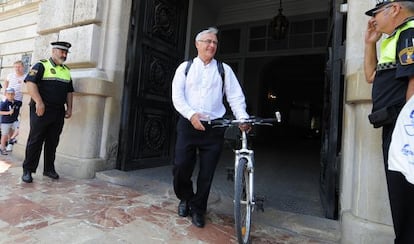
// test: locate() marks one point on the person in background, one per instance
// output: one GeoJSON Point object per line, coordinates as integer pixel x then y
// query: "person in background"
{"type": "Point", "coordinates": [15, 81]}
{"type": "Point", "coordinates": [50, 87]}
{"type": "Point", "coordinates": [198, 98]}
{"type": "Point", "coordinates": [392, 76]}
{"type": "Point", "coordinates": [9, 111]}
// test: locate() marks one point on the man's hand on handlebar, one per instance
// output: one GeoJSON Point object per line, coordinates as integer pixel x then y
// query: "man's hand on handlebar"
{"type": "Point", "coordinates": [245, 127]}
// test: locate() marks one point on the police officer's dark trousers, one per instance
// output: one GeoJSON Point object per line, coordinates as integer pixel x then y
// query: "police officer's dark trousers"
{"type": "Point", "coordinates": [208, 144]}
{"type": "Point", "coordinates": [45, 130]}
{"type": "Point", "coordinates": [401, 195]}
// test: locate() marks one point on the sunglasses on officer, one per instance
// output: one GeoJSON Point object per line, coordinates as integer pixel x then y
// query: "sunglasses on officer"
{"type": "Point", "coordinates": [375, 12]}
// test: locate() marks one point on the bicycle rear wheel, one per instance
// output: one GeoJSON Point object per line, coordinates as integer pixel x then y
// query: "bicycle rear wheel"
{"type": "Point", "coordinates": [242, 205]}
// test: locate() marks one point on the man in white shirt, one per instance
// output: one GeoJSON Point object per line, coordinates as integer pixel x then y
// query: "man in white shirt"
{"type": "Point", "coordinates": [198, 97]}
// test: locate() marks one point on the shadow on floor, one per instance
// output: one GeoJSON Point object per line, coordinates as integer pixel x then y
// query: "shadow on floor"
{"type": "Point", "coordinates": [286, 174]}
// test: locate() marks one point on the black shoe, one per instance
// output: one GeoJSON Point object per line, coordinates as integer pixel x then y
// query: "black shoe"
{"type": "Point", "coordinates": [27, 176]}
{"type": "Point", "coordinates": [51, 174]}
{"type": "Point", "coordinates": [183, 208]}
{"type": "Point", "coordinates": [12, 141]}
{"type": "Point", "coordinates": [198, 220]}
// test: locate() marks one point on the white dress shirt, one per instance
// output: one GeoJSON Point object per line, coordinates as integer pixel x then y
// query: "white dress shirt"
{"type": "Point", "coordinates": [16, 82]}
{"type": "Point", "coordinates": [201, 91]}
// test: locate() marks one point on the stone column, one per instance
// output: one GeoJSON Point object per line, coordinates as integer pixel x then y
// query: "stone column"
{"type": "Point", "coordinates": [364, 206]}
{"type": "Point", "coordinates": [98, 31]}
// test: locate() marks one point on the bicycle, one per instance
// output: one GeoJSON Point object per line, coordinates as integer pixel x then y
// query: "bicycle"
{"type": "Point", "coordinates": [244, 198]}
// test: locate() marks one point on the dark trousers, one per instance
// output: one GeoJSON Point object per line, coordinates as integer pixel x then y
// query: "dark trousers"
{"type": "Point", "coordinates": [45, 130]}
{"type": "Point", "coordinates": [208, 144]}
{"type": "Point", "coordinates": [401, 195]}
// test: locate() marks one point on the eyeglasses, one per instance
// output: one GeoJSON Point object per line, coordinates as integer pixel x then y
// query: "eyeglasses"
{"type": "Point", "coordinates": [374, 13]}
{"type": "Point", "coordinates": [208, 41]}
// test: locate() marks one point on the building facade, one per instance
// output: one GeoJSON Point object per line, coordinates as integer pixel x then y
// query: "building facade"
{"type": "Point", "coordinates": [118, 123]}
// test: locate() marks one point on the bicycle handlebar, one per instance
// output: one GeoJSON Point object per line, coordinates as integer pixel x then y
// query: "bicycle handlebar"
{"type": "Point", "coordinates": [252, 121]}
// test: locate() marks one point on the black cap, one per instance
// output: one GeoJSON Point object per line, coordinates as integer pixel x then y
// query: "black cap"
{"type": "Point", "coordinates": [381, 3]}
{"type": "Point", "coordinates": [61, 45]}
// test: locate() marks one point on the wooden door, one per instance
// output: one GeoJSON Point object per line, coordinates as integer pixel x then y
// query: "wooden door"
{"type": "Point", "coordinates": [332, 115]}
{"type": "Point", "coordinates": [155, 47]}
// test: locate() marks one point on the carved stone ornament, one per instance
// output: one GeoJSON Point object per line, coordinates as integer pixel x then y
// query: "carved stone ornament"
{"type": "Point", "coordinates": [164, 21]}
{"type": "Point", "coordinates": [154, 134]}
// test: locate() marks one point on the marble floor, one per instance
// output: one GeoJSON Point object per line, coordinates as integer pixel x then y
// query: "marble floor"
{"type": "Point", "coordinates": [72, 210]}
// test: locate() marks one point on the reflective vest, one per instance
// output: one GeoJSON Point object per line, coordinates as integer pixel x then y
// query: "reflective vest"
{"type": "Point", "coordinates": [389, 47]}
{"type": "Point", "coordinates": [55, 72]}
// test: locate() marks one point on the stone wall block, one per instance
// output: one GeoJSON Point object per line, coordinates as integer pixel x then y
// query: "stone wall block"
{"type": "Point", "coordinates": [357, 88]}
{"type": "Point", "coordinates": [85, 45]}
{"type": "Point", "coordinates": [19, 20]}
{"type": "Point", "coordinates": [82, 133]}
{"type": "Point", "coordinates": [359, 231]}
{"type": "Point", "coordinates": [18, 34]}
{"type": "Point", "coordinates": [370, 195]}
{"type": "Point", "coordinates": [88, 11]}
{"type": "Point", "coordinates": [42, 46]}
{"type": "Point", "coordinates": [55, 15]}
{"type": "Point", "coordinates": [20, 46]}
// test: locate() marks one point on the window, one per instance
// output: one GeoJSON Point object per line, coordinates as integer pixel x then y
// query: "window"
{"type": "Point", "coordinates": [309, 33]}
{"type": "Point", "coordinates": [26, 59]}
{"type": "Point", "coordinates": [229, 41]}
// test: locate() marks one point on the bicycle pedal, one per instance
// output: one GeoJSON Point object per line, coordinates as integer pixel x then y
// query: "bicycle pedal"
{"type": "Point", "coordinates": [259, 202]}
{"type": "Point", "coordinates": [230, 173]}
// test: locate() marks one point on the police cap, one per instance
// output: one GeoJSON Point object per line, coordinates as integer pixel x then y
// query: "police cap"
{"type": "Point", "coordinates": [381, 3]}
{"type": "Point", "coordinates": [61, 45]}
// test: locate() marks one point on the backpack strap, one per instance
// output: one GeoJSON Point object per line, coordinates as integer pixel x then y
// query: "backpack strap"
{"type": "Point", "coordinates": [220, 70]}
{"type": "Point", "coordinates": [187, 68]}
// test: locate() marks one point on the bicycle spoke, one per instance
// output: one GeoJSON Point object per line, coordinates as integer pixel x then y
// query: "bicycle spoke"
{"type": "Point", "coordinates": [242, 205]}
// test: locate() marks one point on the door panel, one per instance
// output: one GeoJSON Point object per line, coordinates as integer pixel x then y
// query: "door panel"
{"type": "Point", "coordinates": [332, 115]}
{"type": "Point", "coordinates": [155, 47]}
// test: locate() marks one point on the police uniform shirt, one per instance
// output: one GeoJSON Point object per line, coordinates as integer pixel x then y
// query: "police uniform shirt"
{"type": "Point", "coordinates": [390, 84]}
{"type": "Point", "coordinates": [7, 106]}
{"type": "Point", "coordinates": [53, 92]}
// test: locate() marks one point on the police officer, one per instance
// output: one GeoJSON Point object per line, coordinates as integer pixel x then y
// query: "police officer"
{"type": "Point", "coordinates": [49, 85]}
{"type": "Point", "coordinates": [392, 75]}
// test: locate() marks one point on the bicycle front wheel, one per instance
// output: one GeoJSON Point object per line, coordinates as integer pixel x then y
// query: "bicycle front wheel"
{"type": "Point", "coordinates": [242, 205]}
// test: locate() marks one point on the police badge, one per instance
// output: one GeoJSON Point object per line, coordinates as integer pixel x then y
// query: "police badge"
{"type": "Point", "coordinates": [406, 56]}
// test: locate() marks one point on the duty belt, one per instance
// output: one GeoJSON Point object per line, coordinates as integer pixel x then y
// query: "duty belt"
{"type": "Point", "coordinates": [384, 66]}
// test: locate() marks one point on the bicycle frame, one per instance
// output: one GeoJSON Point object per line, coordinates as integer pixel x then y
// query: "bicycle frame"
{"type": "Point", "coordinates": [244, 199]}
{"type": "Point", "coordinates": [245, 152]}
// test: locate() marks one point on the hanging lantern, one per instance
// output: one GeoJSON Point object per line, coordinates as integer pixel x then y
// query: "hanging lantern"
{"type": "Point", "coordinates": [279, 25]}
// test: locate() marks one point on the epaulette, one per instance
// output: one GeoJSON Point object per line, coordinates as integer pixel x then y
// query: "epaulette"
{"type": "Point", "coordinates": [43, 60]}
{"type": "Point", "coordinates": [64, 65]}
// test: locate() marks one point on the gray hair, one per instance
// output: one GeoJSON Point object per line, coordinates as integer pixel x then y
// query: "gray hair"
{"type": "Point", "coordinates": [212, 30]}
{"type": "Point", "coordinates": [408, 5]}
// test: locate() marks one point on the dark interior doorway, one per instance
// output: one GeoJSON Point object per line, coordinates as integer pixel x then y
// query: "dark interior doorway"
{"type": "Point", "coordinates": [288, 154]}
{"type": "Point", "coordinates": [294, 86]}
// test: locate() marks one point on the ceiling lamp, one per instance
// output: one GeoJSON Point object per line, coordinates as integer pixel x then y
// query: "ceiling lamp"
{"type": "Point", "coordinates": [279, 25]}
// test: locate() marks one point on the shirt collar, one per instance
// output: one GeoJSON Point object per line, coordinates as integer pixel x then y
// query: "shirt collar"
{"type": "Point", "coordinates": [52, 62]}
{"type": "Point", "coordinates": [197, 59]}
{"type": "Point", "coordinates": [402, 24]}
